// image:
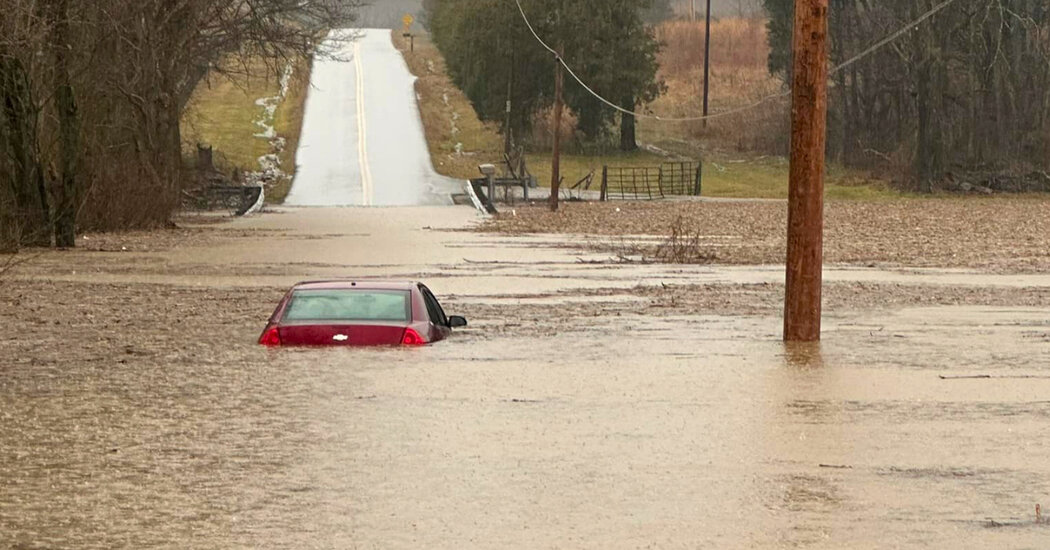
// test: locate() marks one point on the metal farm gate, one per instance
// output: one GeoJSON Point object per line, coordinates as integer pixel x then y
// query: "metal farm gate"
{"type": "Point", "coordinates": [647, 183]}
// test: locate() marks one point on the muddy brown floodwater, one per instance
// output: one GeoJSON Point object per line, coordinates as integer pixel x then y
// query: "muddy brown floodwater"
{"type": "Point", "coordinates": [588, 405]}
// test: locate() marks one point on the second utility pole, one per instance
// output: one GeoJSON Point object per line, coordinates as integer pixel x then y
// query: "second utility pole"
{"type": "Point", "coordinates": [809, 111]}
{"type": "Point", "coordinates": [556, 153]}
{"type": "Point", "coordinates": [707, 57]}
{"type": "Point", "coordinates": [508, 139]}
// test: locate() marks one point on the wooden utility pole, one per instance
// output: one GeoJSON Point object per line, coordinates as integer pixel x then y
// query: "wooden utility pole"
{"type": "Point", "coordinates": [805, 255]}
{"type": "Point", "coordinates": [707, 57]}
{"type": "Point", "coordinates": [507, 138]}
{"type": "Point", "coordinates": [556, 154]}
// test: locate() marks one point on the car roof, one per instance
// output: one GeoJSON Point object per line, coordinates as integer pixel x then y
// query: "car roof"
{"type": "Point", "coordinates": [355, 284]}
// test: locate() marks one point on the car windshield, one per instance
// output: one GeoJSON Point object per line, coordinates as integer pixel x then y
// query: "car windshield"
{"type": "Point", "coordinates": [348, 305]}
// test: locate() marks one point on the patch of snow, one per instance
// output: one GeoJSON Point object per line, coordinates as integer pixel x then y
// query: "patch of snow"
{"type": "Point", "coordinates": [270, 164]}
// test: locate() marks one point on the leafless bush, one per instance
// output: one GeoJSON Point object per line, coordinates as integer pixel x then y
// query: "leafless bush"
{"type": "Point", "coordinates": [10, 261]}
{"type": "Point", "coordinates": [683, 246]}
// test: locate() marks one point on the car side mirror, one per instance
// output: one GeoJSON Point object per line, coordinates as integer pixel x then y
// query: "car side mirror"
{"type": "Point", "coordinates": [456, 321]}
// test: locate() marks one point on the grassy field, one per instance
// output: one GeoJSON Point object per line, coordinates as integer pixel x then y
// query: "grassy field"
{"type": "Point", "coordinates": [222, 113]}
{"type": "Point", "coordinates": [723, 176]}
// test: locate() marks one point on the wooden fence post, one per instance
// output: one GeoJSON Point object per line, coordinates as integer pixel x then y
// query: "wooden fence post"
{"type": "Point", "coordinates": [605, 183]}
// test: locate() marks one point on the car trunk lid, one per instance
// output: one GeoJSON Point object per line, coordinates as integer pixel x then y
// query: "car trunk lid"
{"type": "Point", "coordinates": [335, 334]}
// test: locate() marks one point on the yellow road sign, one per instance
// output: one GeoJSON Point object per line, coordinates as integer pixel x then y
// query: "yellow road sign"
{"type": "Point", "coordinates": [408, 20]}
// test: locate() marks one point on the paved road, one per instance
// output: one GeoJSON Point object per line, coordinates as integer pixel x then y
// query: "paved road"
{"type": "Point", "coordinates": [362, 141]}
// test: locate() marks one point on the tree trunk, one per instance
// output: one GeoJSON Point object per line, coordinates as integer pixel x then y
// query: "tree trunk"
{"type": "Point", "coordinates": [9, 230]}
{"type": "Point", "coordinates": [166, 154]}
{"type": "Point", "coordinates": [66, 199]}
{"type": "Point", "coordinates": [923, 153]}
{"type": "Point", "coordinates": [628, 139]}
{"type": "Point", "coordinates": [69, 133]}
{"type": "Point", "coordinates": [26, 177]}
{"type": "Point", "coordinates": [10, 235]}
{"type": "Point", "coordinates": [931, 87]}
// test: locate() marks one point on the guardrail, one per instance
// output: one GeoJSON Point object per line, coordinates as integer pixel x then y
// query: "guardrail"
{"type": "Point", "coordinates": [238, 199]}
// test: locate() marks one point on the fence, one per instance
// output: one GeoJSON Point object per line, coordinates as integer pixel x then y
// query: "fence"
{"type": "Point", "coordinates": [652, 182]}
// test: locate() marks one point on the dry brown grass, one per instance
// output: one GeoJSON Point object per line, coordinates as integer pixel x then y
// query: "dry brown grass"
{"type": "Point", "coordinates": [736, 42]}
{"type": "Point", "coordinates": [739, 77]}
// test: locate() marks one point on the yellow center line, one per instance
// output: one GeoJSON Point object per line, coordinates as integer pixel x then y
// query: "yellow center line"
{"type": "Point", "coordinates": [362, 136]}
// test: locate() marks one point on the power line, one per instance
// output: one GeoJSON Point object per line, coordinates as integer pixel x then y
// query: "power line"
{"type": "Point", "coordinates": [872, 49]}
{"type": "Point", "coordinates": [894, 36]}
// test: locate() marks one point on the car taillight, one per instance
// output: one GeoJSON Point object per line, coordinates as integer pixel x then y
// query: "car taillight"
{"type": "Point", "coordinates": [412, 338]}
{"type": "Point", "coordinates": [271, 338]}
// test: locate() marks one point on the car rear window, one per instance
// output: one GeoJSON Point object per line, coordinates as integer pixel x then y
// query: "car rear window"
{"type": "Point", "coordinates": [348, 305]}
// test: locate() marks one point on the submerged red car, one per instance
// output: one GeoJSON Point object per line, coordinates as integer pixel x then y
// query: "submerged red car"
{"type": "Point", "coordinates": [358, 313]}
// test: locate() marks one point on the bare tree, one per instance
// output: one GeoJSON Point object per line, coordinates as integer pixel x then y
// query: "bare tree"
{"type": "Point", "coordinates": [963, 92]}
{"type": "Point", "coordinates": [92, 93]}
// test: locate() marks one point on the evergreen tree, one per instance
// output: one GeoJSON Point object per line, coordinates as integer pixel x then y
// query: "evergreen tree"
{"type": "Point", "coordinates": [781, 21]}
{"type": "Point", "coordinates": [621, 64]}
{"type": "Point", "coordinates": [488, 49]}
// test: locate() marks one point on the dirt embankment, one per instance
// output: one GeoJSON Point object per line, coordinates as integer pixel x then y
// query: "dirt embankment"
{"type": "Point", "coordinates": [1003, 235]}
{"type": "Point", "coordinates": [458, 140]}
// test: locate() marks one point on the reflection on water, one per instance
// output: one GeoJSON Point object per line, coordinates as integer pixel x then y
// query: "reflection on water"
{"type": "Point", "coordinates": [803, 355]}
{"type": "Point", "coordinates": [709, 433]}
